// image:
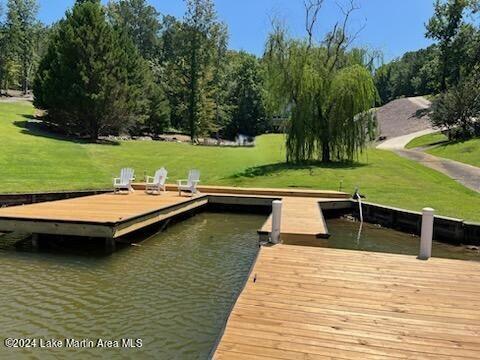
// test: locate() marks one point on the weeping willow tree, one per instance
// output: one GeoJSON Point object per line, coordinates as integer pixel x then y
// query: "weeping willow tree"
{"type": "Point", "coordinates": [326, 90]}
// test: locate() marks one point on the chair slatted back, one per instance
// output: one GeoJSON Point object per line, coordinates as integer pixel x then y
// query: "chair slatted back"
{"type": "Point", "coordinates": [193, 176]}
{"type": "Point", "coordinates": [160, 176]}
{"type": "Point", "coordinates": [126, 175]}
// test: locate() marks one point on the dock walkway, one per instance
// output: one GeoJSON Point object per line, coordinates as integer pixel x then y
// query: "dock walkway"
{"type": "Point", "coordinates": [319, 303]}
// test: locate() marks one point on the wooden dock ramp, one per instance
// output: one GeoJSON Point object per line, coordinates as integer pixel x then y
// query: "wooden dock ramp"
{"type": "Point", "coordinates": [319, 303]}
{"type": "Point", "coordinates": [302, 221]}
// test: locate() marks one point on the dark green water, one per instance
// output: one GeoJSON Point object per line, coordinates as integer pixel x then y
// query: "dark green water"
{"type": "Point", "coordinates": [344, 235]}
{"type": "Point", "coordinates": [174, 291]}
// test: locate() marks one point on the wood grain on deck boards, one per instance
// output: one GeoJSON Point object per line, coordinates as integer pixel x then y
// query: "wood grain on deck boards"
{"type": "Point", "coordinates": [302, 220]}
{"type": "Point", "coordinates": [105, 208]}
{"type": "Point", "coordinates": [272, 192]}
{"type": "Point", "coordinates": [319, 303]}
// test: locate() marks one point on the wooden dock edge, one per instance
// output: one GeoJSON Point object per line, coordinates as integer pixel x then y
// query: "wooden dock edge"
{"type": "Point", "coordinates": [151, 218]}
{"type": "Point", "coordinates": [230, 310]}
{"type": "Point", "coordinates": [272, 192]}
{"type": "Point", "coordinates": [68, 228]}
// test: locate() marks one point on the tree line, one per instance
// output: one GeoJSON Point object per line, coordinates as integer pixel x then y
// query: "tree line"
{"type": "Point", "coordinates": [454, 55]}
{"type": "Point", "coordinates": [125, 68]}
{"type": "Point", "coordinates": [22, 43]}
{"type": "Point", "coordinates": [449, 69]}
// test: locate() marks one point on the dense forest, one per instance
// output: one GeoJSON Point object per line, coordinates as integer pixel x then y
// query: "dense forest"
{"type": "Point", "coordinates": [125, 68]}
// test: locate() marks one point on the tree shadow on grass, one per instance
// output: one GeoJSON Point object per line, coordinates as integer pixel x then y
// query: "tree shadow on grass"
{"type": "Point", "coordinates": [35, 126]}
{"type": "Point", "coordinates": [271, 169]}
{"type": "Point", "coordinates": [434, 144]}
{"type": "Point", "coordinates": [446, 142]}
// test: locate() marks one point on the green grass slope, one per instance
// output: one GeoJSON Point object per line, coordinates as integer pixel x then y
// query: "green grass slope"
{"type": "Point", "coordinates": [467, 152]}
{"type": "Point", "coordinates": [34, 161]}
{"type": "Point", "coordinates": [426, 140]}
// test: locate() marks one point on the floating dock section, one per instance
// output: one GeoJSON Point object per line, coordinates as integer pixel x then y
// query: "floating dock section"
{"type": "Point", "coordinates": [107, 215]}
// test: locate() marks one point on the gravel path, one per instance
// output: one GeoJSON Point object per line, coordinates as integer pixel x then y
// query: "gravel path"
{"type": "Point", "coordinates": [467, 175]}
{"type": "Point", "coordinates": [400, 142]}
{"type": "Point", "coordinates": [14, 99]}
{"type": "Point", "coordinates": [403, 116]}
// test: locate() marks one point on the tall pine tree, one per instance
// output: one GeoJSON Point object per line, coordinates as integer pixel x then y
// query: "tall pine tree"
{"type": "Point", "coordinates": [22, 27]}
{"type": "Point", "coordinates": [245, 96]}
{"type": "Point", "coordinates": [203, 41]}
{"type": "Point", "coordinates": [3, 50]}
{"type": "Point", "coordinates": [141, 22]}
{"type": "Point", "coordinates": [92, 80]}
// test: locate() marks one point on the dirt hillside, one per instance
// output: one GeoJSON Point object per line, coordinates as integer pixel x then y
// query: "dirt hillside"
{"type": "Point", "coordinates": [403, 116]}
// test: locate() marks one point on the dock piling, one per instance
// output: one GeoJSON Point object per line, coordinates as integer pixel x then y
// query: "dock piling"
{"type": "Point", "coordinates": [35, 242]}
{"type": "Point", "coordinates": [276, 220]}
{"type": "Point", "coordinates": [110, 245]}
{"type": "Point", "coordinates": [427, 234]}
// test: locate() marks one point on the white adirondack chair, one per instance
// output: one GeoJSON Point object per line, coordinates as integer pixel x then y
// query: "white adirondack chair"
{"type": "Point", "coordinates": [156, 183]}
{"type": "Point", "coordinates": [124, 182]}
{"type": "Point", "coordinates": [190, 184]}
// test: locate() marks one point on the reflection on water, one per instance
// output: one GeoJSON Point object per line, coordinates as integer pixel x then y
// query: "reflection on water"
{"type": "Point", "coordinates": [174, 291]}
{"type": "Point", "coordinates": [344, 235]}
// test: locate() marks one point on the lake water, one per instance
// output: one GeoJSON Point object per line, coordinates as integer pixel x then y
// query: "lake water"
{"type": "Point", "coordinates": [344, 235]}
{"type": "Point", "coordinates": [174, 291]}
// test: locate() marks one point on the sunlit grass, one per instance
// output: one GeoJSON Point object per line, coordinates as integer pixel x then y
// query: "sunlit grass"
{"type": "Point", "coordinates": [34, 161]}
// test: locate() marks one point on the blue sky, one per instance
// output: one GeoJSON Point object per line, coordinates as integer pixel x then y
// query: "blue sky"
{"type": "Point", "coordinates": [391, 26]}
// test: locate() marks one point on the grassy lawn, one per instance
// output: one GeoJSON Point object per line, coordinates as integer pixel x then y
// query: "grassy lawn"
{"type": "Point", "coordinates": [34, 161]}
{"type": "Point", "coordinates": [467, 152]}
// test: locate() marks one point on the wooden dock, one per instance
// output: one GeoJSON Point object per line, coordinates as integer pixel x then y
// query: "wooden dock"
{"type": "Point", "coordinates": [107, 215]}
{"type": "Point", "coordinates": [111, 216]}
{"type": "Point", "coordinates": [319, 303]}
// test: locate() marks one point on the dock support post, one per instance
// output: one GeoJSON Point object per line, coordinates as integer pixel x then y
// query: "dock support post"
{"type": "Point", "coordinates": [35, 242]}
{"type": "Point", "coordinates": [427, 234]}
{"type": "Point", "coordinates": [276, 220]}
{"type": "Point", "coordinates": [110, 245]}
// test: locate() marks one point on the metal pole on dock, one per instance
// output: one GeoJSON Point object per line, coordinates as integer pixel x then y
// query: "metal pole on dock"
{"type": "Point", "coordinates": [276, 220]}
{"type": "Point", "coordinates": [427, 234]}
